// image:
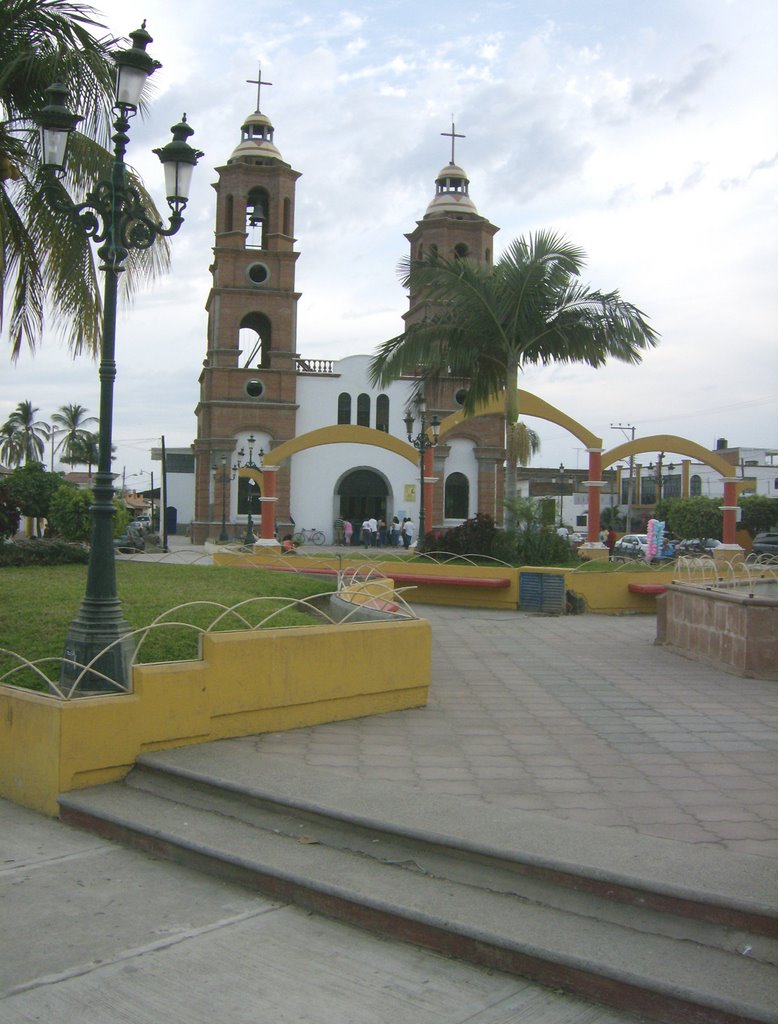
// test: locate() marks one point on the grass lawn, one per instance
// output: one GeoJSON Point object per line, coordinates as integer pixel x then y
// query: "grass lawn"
{"type": "Point", "coordinates": [38, 603]}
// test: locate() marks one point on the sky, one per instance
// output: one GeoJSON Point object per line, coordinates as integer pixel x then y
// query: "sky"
{"type": "Point", "coordinates": [646, 133]}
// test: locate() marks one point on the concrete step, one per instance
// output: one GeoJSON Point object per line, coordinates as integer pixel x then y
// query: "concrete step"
{"type": "Point", "coordinates": [423, 871]}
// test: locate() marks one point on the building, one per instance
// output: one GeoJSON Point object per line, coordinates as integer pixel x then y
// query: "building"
{"type": "Point", "coordinates": [258, 394]}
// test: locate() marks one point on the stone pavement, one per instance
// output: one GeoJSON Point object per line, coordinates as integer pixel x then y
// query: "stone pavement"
{"type": "Point", "coordinates": [582, 717]}
{"type": "Point", "coordinates": [96, 933]}
{"type": "Point", "coordinates": [579, 717]}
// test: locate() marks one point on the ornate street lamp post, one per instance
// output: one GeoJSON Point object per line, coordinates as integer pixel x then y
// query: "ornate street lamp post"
{"type": "Point", "coordinates": [114, 216]}
{"type": "Point", "coordinates": [224, 478]}
{"type": "Point", "coordinates": [422, 442]}
{"type": "Point", "coordinates": [252, 484]}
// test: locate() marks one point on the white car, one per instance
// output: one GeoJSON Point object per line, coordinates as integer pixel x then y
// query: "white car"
{"type": "Point", "coordinates": [631, 545]}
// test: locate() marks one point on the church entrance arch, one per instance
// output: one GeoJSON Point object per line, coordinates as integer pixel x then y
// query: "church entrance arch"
{"type": "Point", "coordinates": [360, 494]}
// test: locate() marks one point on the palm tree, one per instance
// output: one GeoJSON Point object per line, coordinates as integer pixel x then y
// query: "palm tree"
{"type": "Point", "coordinates": [10, 450]}
{"type": "Point", "coordinates": [70, 426]}
{"type": "Point", "coordinates": [30, 434]}
{"type": "Point", "coordinates": [86, 451]}
{"type": "Point", "coordinates": [45, 259]}
{"type": "Point", "coordinates": [527, 443]}
{"type": "Point", "coordinates": [487, 323]}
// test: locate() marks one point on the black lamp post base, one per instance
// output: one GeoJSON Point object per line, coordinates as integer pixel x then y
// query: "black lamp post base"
{"type": "Point", "coordinates": [99, 625]}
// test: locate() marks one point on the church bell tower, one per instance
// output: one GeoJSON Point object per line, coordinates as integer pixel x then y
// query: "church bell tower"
{"type": "Point", "coordinates": [453, 227]}
{"type": "Point", "coordinates": [248, 385]}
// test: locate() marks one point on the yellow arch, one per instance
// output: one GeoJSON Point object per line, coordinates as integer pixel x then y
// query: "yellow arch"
{"type": "Point", "coordinates": [669, 443]}
{"type": "Point", "coordinates": [530, 405]}
{"type": "Point", "coordinates": [342, 433]}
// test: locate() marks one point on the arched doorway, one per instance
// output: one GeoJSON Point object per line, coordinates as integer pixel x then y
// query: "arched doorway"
{"type": "Point", "coordinates": [362, 493]}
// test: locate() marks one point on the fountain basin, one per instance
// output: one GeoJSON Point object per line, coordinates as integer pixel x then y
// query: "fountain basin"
{"type": "Point", "coordinates": [731, 624]}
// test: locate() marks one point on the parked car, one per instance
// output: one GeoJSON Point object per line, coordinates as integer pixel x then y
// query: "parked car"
{"type": "Point", "coordinates": [766, 543]}
{"type": "Point", "coordinates": [695, 546]}
{"type": "Point", "coordinates": [144, 521]}
{"type": "Point", "coordinates": [631, 545]}
{"type": "Point", "coordinates": [131, 540]}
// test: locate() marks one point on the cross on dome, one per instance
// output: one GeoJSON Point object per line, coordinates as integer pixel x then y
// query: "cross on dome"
{"type": "Point", "coordinates": [259, 83]}
{"type": "Point", "coordinates": [454, 135]}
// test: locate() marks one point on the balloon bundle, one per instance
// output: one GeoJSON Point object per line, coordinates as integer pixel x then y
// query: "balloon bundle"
{"type": "Point", "coordinates": [655, 531]}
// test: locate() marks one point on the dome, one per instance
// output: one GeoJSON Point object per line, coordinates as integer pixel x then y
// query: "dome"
{"type": "Point", "coordinates": [451, 193]}
{"type": "Point", "coordinates": [256, 140]}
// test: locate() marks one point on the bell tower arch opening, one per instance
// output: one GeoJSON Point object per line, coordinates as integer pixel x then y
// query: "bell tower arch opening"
{"type": "Point", "coordinates": [255, 337]}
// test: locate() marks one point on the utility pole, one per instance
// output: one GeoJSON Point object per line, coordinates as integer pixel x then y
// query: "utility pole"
{"type": "Point", "coordinates": [624, 427]}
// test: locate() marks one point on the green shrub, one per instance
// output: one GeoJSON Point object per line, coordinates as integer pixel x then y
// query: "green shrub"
{"type": "Point", "coordinates": [42, 552]}
{"type": "Point", "coordinates": [542, 547]}
{"type": "Point", "coordinates": [475, 536]}
{"type": "Point", "coordinates": [9, 512]}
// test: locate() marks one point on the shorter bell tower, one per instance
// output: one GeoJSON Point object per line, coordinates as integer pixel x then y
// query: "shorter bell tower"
{"type": "Point", "coordinates": [453, 227]}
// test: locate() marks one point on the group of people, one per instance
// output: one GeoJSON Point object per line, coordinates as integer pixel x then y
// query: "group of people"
{"type": "Point", "coordinates": [373, 533]}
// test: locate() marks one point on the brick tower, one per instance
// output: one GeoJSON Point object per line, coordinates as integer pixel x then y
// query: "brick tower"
{"type": "Point", "coordinates": [248, 385]}
{"type": "Point", "coordinates": [453, 227]}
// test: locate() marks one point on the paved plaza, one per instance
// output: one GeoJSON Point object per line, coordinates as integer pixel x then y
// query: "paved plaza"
{"type": "Point", "coordinates": [582, 717]}
{"type": "Point", "coordinates": [579, 717]}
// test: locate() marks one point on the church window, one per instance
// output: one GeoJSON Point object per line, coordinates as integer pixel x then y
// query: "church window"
{"type": "Point", "coordinates": [695, 486]}
{"type": "Point", "coordinates": [344, 407]}
{"type": "Point", "coordinates": [255, 339]}
{"type": "Point", "coordinates": [258, 273]}
{"type": "Point", "coordinates": [363, 410]}
{"type": "Point", "coordinates": [460, 250]}
{"type": "Point", "coordinates": [228, 214]}
{"type": "Point", "coordinates": [457, 496]}
{"type": "Point", "coordinates": [459, 396]}
{"type": "Point", "coordinates": [382, 413]}
{"type": "Point", "coordinates": [255, 388]}
{"type": "Point", "coordinates": [288, 217]}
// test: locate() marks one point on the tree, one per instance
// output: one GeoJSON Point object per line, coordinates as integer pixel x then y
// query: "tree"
{"type": "Point", "coordinates": [45, 258]}
{"type": "Point", "coordinates": [487, 323]}
{"type": "Point", "coordinates": [25, 436]}
{"type": "Point", "coordinates": [527, 443]}
{"type": "Point", "coordinates": [760, 514]}
{"type": "Point", "coordinates": [10, 453]}
{"type": "Point", "coordinates": [9, 512]}
{"type": "Point", "coordinates": [71, 423]}
{"type": "Point", "coordinates": [70, 514]}
{"type": "Point", "coordinates": [33, 487]}
{"type": "Point", "coordinates": [690, 518]}
{"type": "Point", "coordinates": [86, 451]}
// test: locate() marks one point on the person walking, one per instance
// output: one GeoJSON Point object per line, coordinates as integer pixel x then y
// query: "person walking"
{"type": "Point", "coordinates": [348, 531]}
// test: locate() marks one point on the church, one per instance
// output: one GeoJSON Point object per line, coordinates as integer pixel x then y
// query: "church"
{"type": "Point", "coordinates": [293, 443]}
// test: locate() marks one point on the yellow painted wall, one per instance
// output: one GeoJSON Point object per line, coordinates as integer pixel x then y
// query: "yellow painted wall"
{"type": "Point", "coordinates": [608, 592]}
{"type": "Point", "coordinates": [247, 682]}
{"type": "Point", "coordinates": [461, 597]}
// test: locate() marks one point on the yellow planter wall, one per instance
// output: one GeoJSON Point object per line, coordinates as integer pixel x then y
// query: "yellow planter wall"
{"type": "Point", "coordinates": [245, 683]}
{"type": "Point", "coordinates": [433, 593]}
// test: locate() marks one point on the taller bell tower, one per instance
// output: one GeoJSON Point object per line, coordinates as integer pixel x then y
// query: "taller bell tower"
{"type": "Point", "coordinates": [248, 385]}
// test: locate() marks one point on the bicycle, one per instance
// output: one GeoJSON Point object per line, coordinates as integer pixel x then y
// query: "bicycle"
{"type": "Point", "coordinates": [303, 536]}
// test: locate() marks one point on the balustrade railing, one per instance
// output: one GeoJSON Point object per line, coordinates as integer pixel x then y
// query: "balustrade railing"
{"type": "Point", "coordinates": [315, 365]}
